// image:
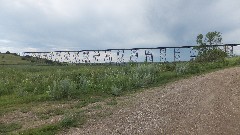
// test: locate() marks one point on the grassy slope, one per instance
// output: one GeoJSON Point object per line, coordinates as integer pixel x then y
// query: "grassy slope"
{"type": "Point", "coordinates": [10, 59]}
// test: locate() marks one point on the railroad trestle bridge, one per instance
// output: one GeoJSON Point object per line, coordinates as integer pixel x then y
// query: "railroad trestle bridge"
{"type": "Point", "coordinates": [118, 56]}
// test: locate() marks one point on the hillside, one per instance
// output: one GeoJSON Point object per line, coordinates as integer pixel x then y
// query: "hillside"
{"type": "Point", "coordinates": [11, 59]}
{"type": "Point", "coordinates": [14, 59]}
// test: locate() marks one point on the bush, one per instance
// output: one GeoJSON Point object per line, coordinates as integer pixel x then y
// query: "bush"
{"type": "Point", "coordinates": [143, 75]}
{"type": "Point", "coordinates": [194, 68]}
{"type": "Point", "coordinates": [207, 51]}
{"type": "Point", "coordinates": [116, 91]}
{"type": "Point", "coordinates": [233, 61]}
{"type": "Point", "coordinates": [82, 83]}
{"type": "Point", "coordinates": [63, 89]}
{"type": "Point", "coordinates": [182, 68]}
{"type": "Point", "coordinates": [213, 54]}
{"type": "Point", "coordinates": [168, 67]}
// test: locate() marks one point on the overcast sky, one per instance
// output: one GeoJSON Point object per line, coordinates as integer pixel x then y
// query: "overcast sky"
{"type": "Point", "coordinates": [50, 25]}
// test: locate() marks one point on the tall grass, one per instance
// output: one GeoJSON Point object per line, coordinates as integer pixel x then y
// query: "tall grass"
{"type": "Point", "coordinates": [70, 82]}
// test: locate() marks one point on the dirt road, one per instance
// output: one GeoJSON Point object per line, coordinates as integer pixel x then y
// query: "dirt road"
{"type": "Point", "coordinates": [206, 104]}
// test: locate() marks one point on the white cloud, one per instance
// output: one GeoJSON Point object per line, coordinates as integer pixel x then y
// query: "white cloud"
{"type": "Point", "coordinates": [100, 24]}
{"type": "Point", "coordinates": [5, 41]}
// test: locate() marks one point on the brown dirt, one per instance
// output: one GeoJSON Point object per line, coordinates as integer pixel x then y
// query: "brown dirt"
{"type": "Point", "coordinates": [206, 104]}
{"type": "Point", "coordinates": [30, 119]}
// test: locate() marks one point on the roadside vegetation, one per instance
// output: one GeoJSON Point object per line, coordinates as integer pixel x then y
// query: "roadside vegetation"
{"type": "Point", "coordinates": [60, 92]}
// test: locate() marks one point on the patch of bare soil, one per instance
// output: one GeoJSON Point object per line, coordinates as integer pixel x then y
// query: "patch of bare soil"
{"type": "Point", "coordinates": [206, 104]}
{"type": "Point", "coordinates": [31, 117]}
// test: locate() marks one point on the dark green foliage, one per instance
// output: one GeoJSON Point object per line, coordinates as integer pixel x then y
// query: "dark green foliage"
{"type": "Point", "coordinates": [15, 54]}
{"type": "Point", "coordinates": [211, 38]}
{"type": "Point", "coordinates": [168, 66]}
{"type": "Point", "coordinates": [207, 52]}
{"type": "Point", "coordinates": [8, 52]}
{"type": "Point", "coordinates": [24, 58]}
{"type": "Point", "coordinates": [211, 55]}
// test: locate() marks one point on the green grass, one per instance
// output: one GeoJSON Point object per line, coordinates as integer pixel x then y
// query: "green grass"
{"type": "Point", "coordinates": [44, 130]}
{"type": "Point", "coordinates": [5, 128]}
{"type": "Point", "coordinates": [22, 85]}
{"type": "Point", "coordinates": [10, 59]}
{"type": "Point", "coordinates": [46, 114]}
{"type": "Point", "coordinates": [14, 59]}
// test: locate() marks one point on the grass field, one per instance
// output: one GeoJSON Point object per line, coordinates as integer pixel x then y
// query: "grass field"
{"type": "Point", "coordinates": [49, 92]}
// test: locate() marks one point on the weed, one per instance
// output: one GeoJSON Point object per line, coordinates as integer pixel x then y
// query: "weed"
{"type": "Point", "coordinates": [73, 120]}
{"type": "Point", "coordinates": [182, 68]}
{"type": "Point", "coordinates": [113, 101]}
{"type": "Point", "coordinates": [116, 91]}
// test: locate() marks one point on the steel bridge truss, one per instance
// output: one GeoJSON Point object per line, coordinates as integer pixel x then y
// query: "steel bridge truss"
{"type": "Point", "coordinates": [118, 56]}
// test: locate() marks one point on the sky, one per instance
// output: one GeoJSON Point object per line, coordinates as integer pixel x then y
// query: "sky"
{"type": "Point", "coordinates": [53, 25]}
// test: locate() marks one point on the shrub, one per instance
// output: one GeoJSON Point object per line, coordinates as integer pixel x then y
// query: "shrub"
{"type": "Point", "coordinates": [211, 55]}
{"type": "Point", "coordinates": [143, 75]}
{"type": "Point", "coordinates": [182, 68]}
{"type": "Point", "coordinates": [168, 67]}
{"type": "Point", "coordinates": [207, 51]}
{"type": "Point", "coordinates": [63, 89]}
{"type": "Point", "coordinates": [194, 68]}
{"type": "Point", "coordinates": [116, 91]}
{"type": "Point", "coordinates": [82, 83]}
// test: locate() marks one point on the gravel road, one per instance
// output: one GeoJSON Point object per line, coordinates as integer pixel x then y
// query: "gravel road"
{"type": "Point", "coordinates": [205, 104]}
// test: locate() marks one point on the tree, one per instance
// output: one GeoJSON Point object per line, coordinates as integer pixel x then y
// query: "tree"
{"type": "Point", "coordinates": [211, 38]}
{"type": "Point", "coordinates": [207, 49]}
{"type": "Point", "coordinates": [7, 52]}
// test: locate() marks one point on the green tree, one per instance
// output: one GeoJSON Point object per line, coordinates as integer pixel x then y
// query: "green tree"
{"type": "Point", "coordinates": [207, 49]}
